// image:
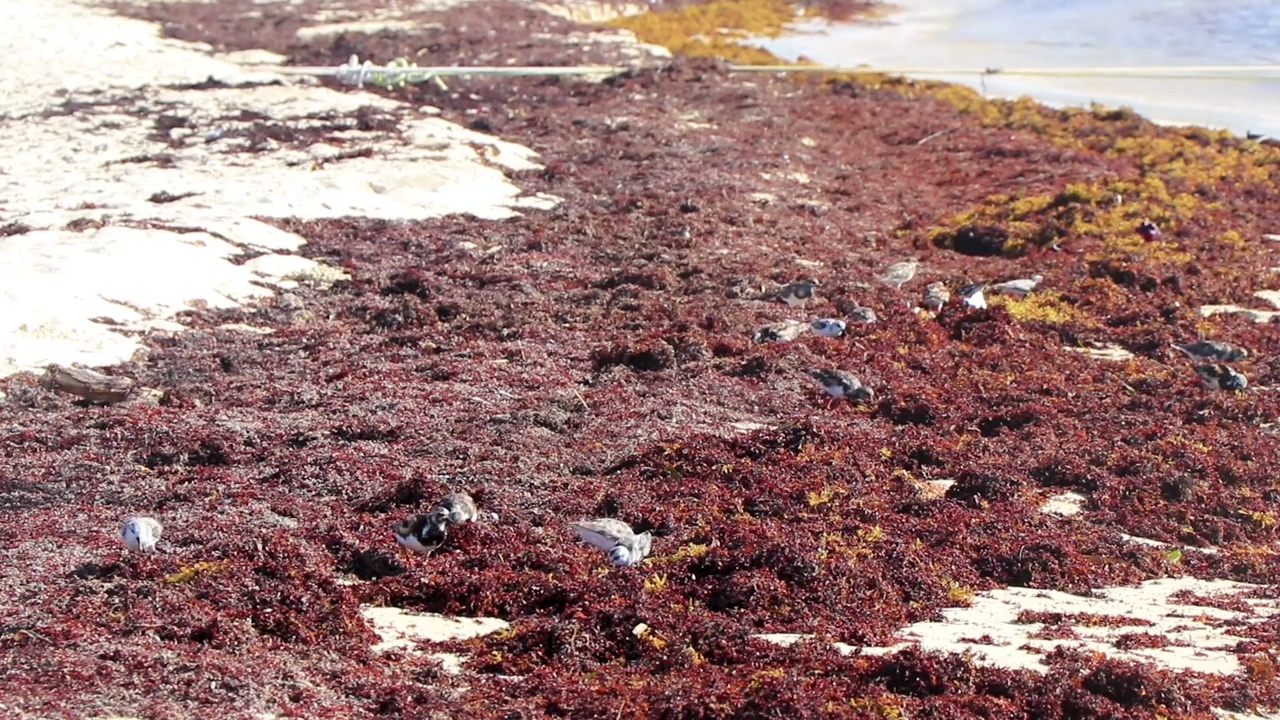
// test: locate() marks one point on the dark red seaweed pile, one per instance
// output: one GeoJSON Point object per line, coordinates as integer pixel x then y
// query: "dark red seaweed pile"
{"type": "Point", "coordinates": [596, 360]}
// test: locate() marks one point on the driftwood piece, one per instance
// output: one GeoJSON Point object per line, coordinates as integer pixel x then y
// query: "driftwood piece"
{"type": "Point", "coordinates": [88, 384]}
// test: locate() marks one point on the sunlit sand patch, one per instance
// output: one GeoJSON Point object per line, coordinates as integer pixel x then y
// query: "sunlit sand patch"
{"type": "Point", "coordinates": [99, 177]}
{"type": "Point", "coordinates": [1064, 504]}
{"type": "Point", "coordinates": [1161, 544]}
{"type": "Point", "coordinates": [403, 630]}
{"type": "Point", "coordinates": [1113, 353]}
{"type": "Point", "coordinates": [368, 27]}
{"type": "Point", "coordinates": [590, 12]}
{"type": "Point", "coordinates": [1229, 715]}
{"type": "Point", "coordinates": [1198, 635]}
{"type": "Point", "coordinates": [1258, 316]}
{"type": "Point", "coordinates": [84, 297]}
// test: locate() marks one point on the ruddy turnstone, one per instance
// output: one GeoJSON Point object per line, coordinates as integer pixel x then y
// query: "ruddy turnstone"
{"type": "Point", "coordinates": [935, 296]}
{"type": "Point", "coordinates": [840, 384]}
{"type": "Point", "coordinates": [797, 293]}
{"type": "Point", "coordinates": [615, 537]}
{"type": "Point", "coordinates": [1221, 377]}
{"type": "Point", "coordinates": [1210, 350]}
{"type": "Point", "coordinates": [457, 508]}
{"type": "Point", "coordinates": [900, 273]}
{"type": "Point", "coordinates": [828, 327]}
{"type": "Point", "coordinates": [973, 295]}
{"type": "Point", "coordinates": [141, 533]}
{"type": "Point", "coordinates": [784, 331]}
{"type": "Point", "coordinates": [862, 314]}
{"type": "Point", "coordinates": [1019, 287]}
{"type": "Point", "coordinates": [423, 533]}
{"type": "Point", "coordinates": [1149, 231]}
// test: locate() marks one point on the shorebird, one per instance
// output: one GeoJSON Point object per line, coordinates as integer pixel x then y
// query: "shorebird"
{"type": "Point", "coordinates": [1149, 231]}
{"type": "Point", "coordinates": [862, 314]}
{"type": "Point", "coordinates": [783, 331]}
{"type": "Point", "coordinates": [900, 273]}
{"type": "Point", "coordinates": [935, 296]}
{"type": "Point", "coordinates": [840, 384]}
{"type": "Point", "coordinates": [1221, 377]}
{"type": "Point", "coordinates": [423, 533]}
{"type": "Point", "coordinates": [141, 533]}
{"type": "Point", "coordinates": [615, 537]}
{"type": "Point", "coordinates": [1019, 287]}
{"type": "Point", "coordinates": [973, 295]}
{"type": "Point", "coordinates": [1212, 351]}
{"type": "Point", "coordinates": [457, 508]}
{"type": "Point", "coordinates": [828, 327]}
{"type": "Point", "coordinates": [797, 293]}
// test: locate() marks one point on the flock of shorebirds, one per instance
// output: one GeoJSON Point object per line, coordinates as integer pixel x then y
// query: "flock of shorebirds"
{"type": "Point", "coordinates": [424, 533]}
{"type": "Point", "coordinates": [839, 384]}
{"type": "Point", "coordinates": [1212, 357]}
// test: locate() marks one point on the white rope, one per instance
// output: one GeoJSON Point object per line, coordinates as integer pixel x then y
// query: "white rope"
{"type": "Point", "coordinates": [400, 72]}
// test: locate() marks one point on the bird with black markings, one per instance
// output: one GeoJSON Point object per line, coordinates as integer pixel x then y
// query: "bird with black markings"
{"type": "Point", "coordinates": [935, 296]}
{"type": "Point", "coordinates": [828, 327]}
{"type": "Point", "coordinates": [781, 332]}
{"type": "Point", "coordinates": [841, 385]}
{"type": "Point", "coordinates": [1211, 351]}
{"type": "Point", "coordinates": [797, 293]}
{"type": "Point", "coordinates": [423, 533]}
{"type": "Point", "coordinates": [141, 533]}
{"type": "Point", "coordinates": [1221, 377]}
{"type": "Point", "coordinates": [974, 295]}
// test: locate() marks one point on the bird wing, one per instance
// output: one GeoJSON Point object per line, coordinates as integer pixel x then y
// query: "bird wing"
{"type": "Point", "coordinates": [603, 533]}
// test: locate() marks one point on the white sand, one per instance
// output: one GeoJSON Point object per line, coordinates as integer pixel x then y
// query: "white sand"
{"type": "Point", "coordinates": [1199, 636]}
{"type": "Point", "coordinates": [406, 631]}
{"type": "Point", "coordinates": [84, 295]}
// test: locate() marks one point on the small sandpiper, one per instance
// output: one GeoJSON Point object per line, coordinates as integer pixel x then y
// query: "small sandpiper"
{"type": "Point", "coordinates": [828, 327]}
{"type": "Point", "coordinates": [615, 537]}
{"type": "Point", "coordinates": [974, 295]}
{"type": "Point", "coordinates": [1149, 231]}
{"type": "Point", "coordinates": [840, 384]}
{"type": "Point", "coordinates": [900, 273]}
{"type": "Point", "coordinates": [457, 508]}
{"type": "Point", "coordinates": [1020, 287]}
{"type": "Point", "coordinates": [1221, 377]}
{"type": "Point", "coordinates": [141, 533]}
{"type": "Point", "coordinates": [797, 293]}
{"type": "Point", "coordinates": [1211, 351]}
{"type": "Point", "coordinates": [935, 296]}
{"type": "Point", "coordinates": [783, 331]}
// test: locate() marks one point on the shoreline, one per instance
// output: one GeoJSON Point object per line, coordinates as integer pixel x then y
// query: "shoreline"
{"type": "Point", "coordinates": [921, 34]}
{"type": "Point", "coordinates": [544, 291]}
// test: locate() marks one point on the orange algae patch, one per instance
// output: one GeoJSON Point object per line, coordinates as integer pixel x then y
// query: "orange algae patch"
{"type": "Point", "coordinates": [715, 29]}
{"type": "Point", "coordinates": [721, 28]}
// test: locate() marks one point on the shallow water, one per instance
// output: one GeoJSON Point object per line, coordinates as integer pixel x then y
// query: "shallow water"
{"type": "Point", "coordinates": [958, 34]}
